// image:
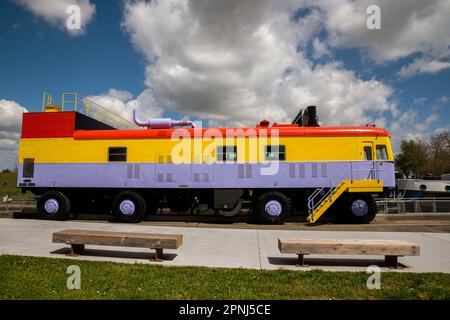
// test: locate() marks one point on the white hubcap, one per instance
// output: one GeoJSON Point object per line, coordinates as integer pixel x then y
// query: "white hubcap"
{"type": "Point", "coordinates": [127, 207]}
{"type": "Point", "coordinates": [51, 206]}
{"type": "Point", "coordinates": [273, 208]}
{"type": "Point", "coordinates": [360, 208]}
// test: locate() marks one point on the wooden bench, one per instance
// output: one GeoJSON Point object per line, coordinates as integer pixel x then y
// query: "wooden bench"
{"type": "Point", "coordinates": [79, 238]}
{"type": "Point", "coordinates": [391, 249]}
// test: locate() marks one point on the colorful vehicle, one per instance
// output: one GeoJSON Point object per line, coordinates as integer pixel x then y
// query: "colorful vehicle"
{"type": "Point", "coordinates": [90, 158]}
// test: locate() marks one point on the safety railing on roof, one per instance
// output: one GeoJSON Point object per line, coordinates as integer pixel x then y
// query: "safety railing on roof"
{"type": "Point", "coordinates": [90, 108]}
{"type": "Point", "coordinates": [73, 101]}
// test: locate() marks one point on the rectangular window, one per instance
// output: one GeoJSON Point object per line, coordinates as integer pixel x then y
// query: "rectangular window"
{"type": "Point", "coordinates": [275, 153]}
{"type": "Point", "coordinates": [382, 152]}
{"type": "Point", "coordinates": [367, 153]}
{"type": "Point", "coordinates": [28, 168]}
{"type": "Point", "coordinates": [117, 154]}
{"type": "Point", "coordinates": [227, 153]}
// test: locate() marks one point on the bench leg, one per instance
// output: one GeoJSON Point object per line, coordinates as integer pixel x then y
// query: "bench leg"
{"type": "Point", "coordinates": [76, 249]}
{"type": "Point", "coordinates": [391, 261]}
{"type": "Point", "coordinates": [301, 260]}
{"type": "Point", "coordinates": [159, 256]}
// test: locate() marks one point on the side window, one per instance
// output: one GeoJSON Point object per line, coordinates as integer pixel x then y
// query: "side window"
{"type": "Point", "coordinates": [28, 168]}
{"type": "Point", "coordinates": [382, 152]}
{"type": "Point", "coordinates": [117, 154]}
{"type": "Point", "coordinates": [227, 153]}
{"type": "Point", "coordinates": [367, 153]}
{"type": "Point", "coordinates": [275, 153]}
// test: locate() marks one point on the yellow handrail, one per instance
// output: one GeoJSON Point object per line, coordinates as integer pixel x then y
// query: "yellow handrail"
{"type": "Point", "coordinates": [94, 110]}
{"type": "Point", "coordinates": [76, 102]}
{"type": "Point", "coordinates": [46, 100]}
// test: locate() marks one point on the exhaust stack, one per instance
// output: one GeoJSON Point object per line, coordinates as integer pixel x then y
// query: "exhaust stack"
{"type": "Point", "coordinates": [162, 123]}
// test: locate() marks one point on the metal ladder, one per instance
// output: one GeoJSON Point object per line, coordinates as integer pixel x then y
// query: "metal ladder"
{"type": "Point", "coordinates": [317, 208]}
{"type": "Point", "coordinates": [337, 185]}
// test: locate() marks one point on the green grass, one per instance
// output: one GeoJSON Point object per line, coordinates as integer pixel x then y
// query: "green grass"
{"type": "Point", "coordinates": [8, 183]}
{"type": "Point", "coordinates": [45, 278]}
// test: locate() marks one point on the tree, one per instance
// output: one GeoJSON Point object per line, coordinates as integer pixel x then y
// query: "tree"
{"type": "Point", "coordinates": [421, 157]}
{"type": "Point", "coordinates": [439, 161]}
{"type": "Point", "coordinates": [412, 156]}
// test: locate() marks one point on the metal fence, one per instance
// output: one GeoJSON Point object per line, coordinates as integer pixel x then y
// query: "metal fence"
{"type": "Point", "coordinates": [419, 205]}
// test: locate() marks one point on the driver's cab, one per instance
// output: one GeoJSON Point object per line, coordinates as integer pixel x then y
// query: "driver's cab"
{"type": "Point", "coordinates": [377, 151]}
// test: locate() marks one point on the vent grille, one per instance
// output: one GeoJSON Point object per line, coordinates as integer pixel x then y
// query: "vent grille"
{"type": "Point", "coordinates": [315, 170]}
{"type": "Point", "coordinates": [241, 171]}
{"type": "Point", "coordinates": [324, 170]}
{"type": "Point", "coordinates": [291, 170]}
{"type": "Point", "coordinates": [129, 171]}
{"type": "Point", "coordinates": [301, 170]}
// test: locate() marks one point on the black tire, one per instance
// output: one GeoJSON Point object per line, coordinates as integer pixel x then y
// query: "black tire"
{"type": "Point", "coordinates": [273, 207]}
{"type": "Point", "coordinates": [53, 205]}
{"type": "Point", "coordinates": [128, 206]}
{"type": "Point", "coordinates": [360, 208]}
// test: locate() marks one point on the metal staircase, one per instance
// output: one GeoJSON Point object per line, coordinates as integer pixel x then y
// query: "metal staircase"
{"type": "Point", "coordinates": [339, 184]}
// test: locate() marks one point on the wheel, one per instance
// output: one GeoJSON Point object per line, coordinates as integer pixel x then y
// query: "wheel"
{"type": "Point", "coordinates": [53, 205]}
{"type": "Point", "coordinates": [360, 208]}
{"type": "Point", "coordinates": [128, 206]}
{"type": "Point", "coordinates": [273, 206]}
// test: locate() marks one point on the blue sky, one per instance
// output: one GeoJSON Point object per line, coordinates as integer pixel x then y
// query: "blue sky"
{"type": "Point", "coordinates": [220, 71]}
{"type": "Point", "coordinates": [36, 56]}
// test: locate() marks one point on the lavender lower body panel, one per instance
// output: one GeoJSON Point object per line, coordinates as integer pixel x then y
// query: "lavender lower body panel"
{"type": "Point", "coordinates": [217, 175]}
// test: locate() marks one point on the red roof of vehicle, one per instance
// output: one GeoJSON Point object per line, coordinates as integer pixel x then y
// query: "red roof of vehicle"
{"type": "Point", "coordinates": [62, 124]}
{"type": "Point", "coordinates": [227, 132]}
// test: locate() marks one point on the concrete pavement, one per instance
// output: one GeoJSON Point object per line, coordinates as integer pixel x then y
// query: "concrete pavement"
{"type": "Point", "coordinates": [215, 247]}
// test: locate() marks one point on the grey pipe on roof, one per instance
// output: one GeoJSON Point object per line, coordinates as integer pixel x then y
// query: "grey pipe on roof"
{"type": "Point", "coordinates": [161, 123]}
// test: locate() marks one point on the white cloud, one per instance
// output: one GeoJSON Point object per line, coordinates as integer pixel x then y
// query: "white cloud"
{"type": "Point", "coordinates": [121, 95]}
{"type": "Point", "coordinates": [423, 127]}
{"type": "Point", "coordinates": [423, 66]}
{"type": "Point", "coordinates": [55, 12]}
{"type": "Point", "coordinates": [443, 100]}
{"type": "Point", "coordinates": [236, 62]}
{"type": "Point", "coordinates": [320, 48]}
{"type": "Point", "coordinates": [122, 103]}
{"type": "Point", "coordinates": [442, 129]}
{"type": "Point", "coordinates": [420, 100]}
{"type": "Point", "coordinates": [407, 27]}
{"type": "Point", "coordinates": [10, 126]}
{"type": "Point", "coordinates": [11, 115]}
{"type": "Point", "coordinates": [431, 118]}
{"type": "Point", "coordinates": [408, 127]}
{"type": "Point", "coordinates": [381, 122]}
